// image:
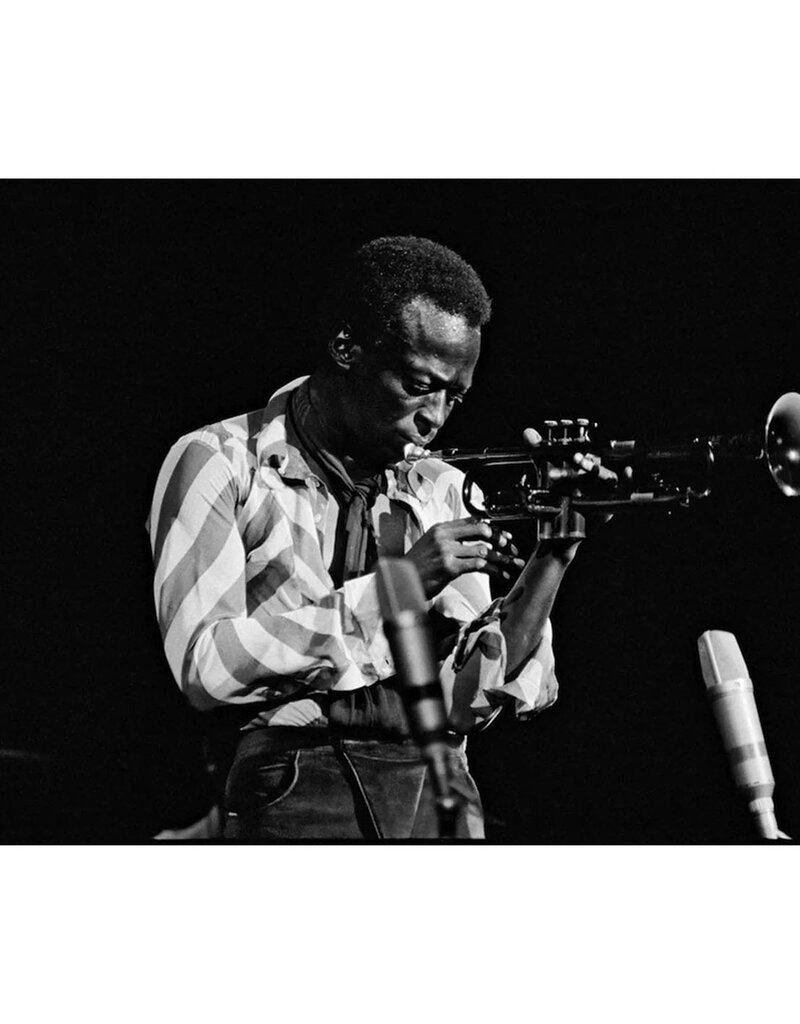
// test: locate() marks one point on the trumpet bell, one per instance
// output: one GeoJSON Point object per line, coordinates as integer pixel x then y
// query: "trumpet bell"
{"type": "Point", "coordinates": [782, 443]}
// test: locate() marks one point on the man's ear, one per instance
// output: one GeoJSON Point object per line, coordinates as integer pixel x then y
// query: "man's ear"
{"type": "Point", "coordinates": [342, 349]}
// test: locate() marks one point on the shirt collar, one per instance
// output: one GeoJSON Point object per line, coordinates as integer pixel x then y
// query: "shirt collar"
{"type": "Point", "coordinates": [273, 450]}
{"type": "Point", "coordinates": [414, 480]}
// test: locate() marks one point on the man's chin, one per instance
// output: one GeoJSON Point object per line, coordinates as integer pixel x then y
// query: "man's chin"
{"type": "Point", "coordinates": [379, 457]}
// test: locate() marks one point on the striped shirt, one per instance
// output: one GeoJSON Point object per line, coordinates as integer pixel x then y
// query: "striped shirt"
{"type": "Point", "coordinates": [242, 534]}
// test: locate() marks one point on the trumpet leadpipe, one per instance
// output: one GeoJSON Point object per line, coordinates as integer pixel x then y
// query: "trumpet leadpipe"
{"type": "Point", "coordinates": [614, 451]}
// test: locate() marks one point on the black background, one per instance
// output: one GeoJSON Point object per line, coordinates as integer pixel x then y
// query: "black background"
{"type": "Point", "coordinates": [141, 310]}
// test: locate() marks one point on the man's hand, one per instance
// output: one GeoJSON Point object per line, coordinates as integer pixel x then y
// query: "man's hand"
{"type": "Point", "coordinates": [448, 550]}
{"type": "Point", "coordinates": [591, 478]}
{"type": "Point", "coordinates": [593, 473]}
{"type": "Point", "coordinates": [590, 471]}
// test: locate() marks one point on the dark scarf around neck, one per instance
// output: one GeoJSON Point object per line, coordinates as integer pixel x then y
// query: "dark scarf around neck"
{"type": "Point", "coordinates": [355, 548]}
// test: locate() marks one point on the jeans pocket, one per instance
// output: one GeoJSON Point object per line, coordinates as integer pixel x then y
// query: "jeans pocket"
{"type": "Point", "coordinates": [256, 784]}
{"type": "Point", "coordinates": [276, 780]}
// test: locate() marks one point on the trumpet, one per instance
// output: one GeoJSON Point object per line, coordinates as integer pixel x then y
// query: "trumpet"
{"type": "Point", "coordinates": [554, 492]}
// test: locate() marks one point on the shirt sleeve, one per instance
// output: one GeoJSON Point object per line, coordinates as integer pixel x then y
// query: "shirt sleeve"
{"type": "Point", "coordinates": [220, 651]}
{"type": "Point", "coordinates": [474, 673]}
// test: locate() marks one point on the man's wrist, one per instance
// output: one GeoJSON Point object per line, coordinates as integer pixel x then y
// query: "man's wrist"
{"type": "Point", "coordinates": [559, 550]}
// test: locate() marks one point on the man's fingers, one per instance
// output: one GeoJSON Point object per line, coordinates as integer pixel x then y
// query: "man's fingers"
{"type": "Point", "coordinates": [468, 529]}
{"type": "Point", "coordinates": [484, 552]}
{"type": "Point", "coordinates": [531, 436]}
{"type": "Point", "coordinates": [502, 541]}
{"type": "Point", "coordinates": [488, 566]}
{"type": "Point", "coordinates": [592, 466]}
{"type": "Point", "coordinates": [587, 462]}
{"type": "Point", "coordinates": [475, 565]}
{"type": "Point", "coordinates": [501, 558]}
{"type": "Point", "coordinates": [479, 529]}
{"type": "Point", "coordinates": [506, 561]}
{"type": "Point", "coordinates": [468, 552]}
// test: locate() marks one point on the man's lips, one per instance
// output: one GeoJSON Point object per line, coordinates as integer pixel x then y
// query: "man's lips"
{"type": "Point", "coordinates": [420, 442]}
{"type": "Point", "coordinates": [413, 451]}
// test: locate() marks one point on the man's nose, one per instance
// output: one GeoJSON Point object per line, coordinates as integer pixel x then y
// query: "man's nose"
{"type": "Point", "coordinates": [433, 413]}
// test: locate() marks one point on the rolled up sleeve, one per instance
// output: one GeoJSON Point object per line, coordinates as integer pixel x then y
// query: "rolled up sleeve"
{"type": "Point", "coordinates": [474, 675]}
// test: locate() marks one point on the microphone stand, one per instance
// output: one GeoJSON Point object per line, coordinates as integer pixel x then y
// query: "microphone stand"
{"type": "Point", "coordinates": [448, 803]}
{"type": "Point", "coordinates": [408, 630]}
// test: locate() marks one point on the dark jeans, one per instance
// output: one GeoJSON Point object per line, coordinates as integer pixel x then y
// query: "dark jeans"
{"type": "Point", "coordinates": [304, 783]}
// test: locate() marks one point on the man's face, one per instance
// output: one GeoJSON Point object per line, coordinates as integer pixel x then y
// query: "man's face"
{"type": "Point", "coordinates": [403, 389]}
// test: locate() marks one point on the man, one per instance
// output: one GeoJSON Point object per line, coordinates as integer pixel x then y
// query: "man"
{"type": "Point", "coordinates": [265, 529]}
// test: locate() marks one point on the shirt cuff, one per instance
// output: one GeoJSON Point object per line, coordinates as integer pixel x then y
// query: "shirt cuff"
{"type": "Point", "coordinates": [534, 686]}
{"type": "Point", "coordinates": [361, 602]}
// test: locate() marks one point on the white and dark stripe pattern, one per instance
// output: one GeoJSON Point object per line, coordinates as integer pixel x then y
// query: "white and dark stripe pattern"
{"type": "Point", "coordinates": [241, 529]}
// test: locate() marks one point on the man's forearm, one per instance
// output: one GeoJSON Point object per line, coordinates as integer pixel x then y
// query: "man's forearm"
{"type": "Point", "coordinates": [528, 604]}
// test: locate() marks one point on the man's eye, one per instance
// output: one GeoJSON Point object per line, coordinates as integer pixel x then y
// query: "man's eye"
{"type": "Point", "coordinates": [415, 387]}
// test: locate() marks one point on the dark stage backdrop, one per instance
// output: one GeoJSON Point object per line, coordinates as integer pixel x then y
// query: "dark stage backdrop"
{"type": "Point", "coordinates": [139, 311]}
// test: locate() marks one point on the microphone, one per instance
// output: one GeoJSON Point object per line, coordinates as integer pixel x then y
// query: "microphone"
{"type": "Point", "coordinates": [730, 692]}
{"type": "Point", "coordinates": [408, 630]}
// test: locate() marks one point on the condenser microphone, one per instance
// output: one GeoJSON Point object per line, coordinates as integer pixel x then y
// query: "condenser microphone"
{"type": "Point", "coordinates": [730, 692]}
{"type": "Point", "coordinates": [408, 630]}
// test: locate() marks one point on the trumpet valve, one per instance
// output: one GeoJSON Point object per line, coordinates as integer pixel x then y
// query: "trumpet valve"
{"type": "Point", "coordinates": [566, 430]}
{"type": "Point", "coordinates": [550, 426]}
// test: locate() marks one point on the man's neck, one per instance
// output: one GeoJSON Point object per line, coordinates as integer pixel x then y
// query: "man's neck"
{"type": "Point", "coordinates": [327, 396]}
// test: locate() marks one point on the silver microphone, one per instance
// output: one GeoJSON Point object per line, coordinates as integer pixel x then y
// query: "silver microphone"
{"type": "Point", "coordinates": [407, 627]}
{"type": "Point", "coordinates": [730, 692]}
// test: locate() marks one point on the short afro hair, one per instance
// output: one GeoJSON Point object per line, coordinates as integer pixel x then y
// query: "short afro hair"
{"type": "Point", "coordinates": [386, 273]}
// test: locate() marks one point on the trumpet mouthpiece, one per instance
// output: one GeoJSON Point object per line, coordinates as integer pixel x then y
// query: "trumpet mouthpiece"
{"type": "Point", "coordinates": [413, 452]}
